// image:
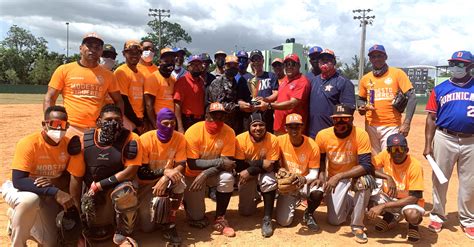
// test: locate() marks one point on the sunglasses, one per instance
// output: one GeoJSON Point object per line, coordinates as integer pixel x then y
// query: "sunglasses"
{"type": "Point", "coordinates": [57, 124]}
{"type": "Point", "coordinates": [397, 149]}
{"type": "Point", "coordinates": [344, 119]}
{"type": "Point", "coordinates": [457, 64]}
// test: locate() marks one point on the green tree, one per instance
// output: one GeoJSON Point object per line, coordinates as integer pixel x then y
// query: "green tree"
{"type": "Point", "coordinates": [44, 67]}
{"type": "Point", "coordinates": [351, 71]}
{"type": "Point", "coordinates": [171, 34]}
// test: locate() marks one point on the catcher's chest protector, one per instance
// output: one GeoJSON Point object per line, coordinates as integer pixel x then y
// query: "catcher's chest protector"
{"type": "Point", "coordinates": [101, 162]}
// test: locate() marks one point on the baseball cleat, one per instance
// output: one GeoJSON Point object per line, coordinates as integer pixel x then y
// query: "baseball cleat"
{"type": "Point", "coordinates": [469, 231]}
{"type": "Point", "coordinates": [359, 236]}
{"type": "Point", "coordinates": [267, 227]}
{"type": "Point", "coordinates": [435, 226]}
{"type": "Point", "coordinates": [310, 222]}
{"type": "Point", "coordinates": [221, 226]}
{"type": "Point", "coordinates": [172, 237]}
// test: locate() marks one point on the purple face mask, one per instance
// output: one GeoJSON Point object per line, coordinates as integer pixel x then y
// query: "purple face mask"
{"type": "Point", "coordinates": [164, 133]}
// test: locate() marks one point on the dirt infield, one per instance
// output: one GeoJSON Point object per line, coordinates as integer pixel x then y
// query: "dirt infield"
{"type": "Point", "coordinates": [18, 120]}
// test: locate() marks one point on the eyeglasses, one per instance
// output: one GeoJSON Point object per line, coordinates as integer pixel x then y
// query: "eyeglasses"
{"type": "Point", "coordinates": [457, 64]}
{"type": "Point", "coordinates": [344, 119]}
{"type": "Point", "coordinates": [57, 124]}
{"type": "Point", "coordinates": [397, 149]}
{"type": "Point", "coordinates": [290, 64]}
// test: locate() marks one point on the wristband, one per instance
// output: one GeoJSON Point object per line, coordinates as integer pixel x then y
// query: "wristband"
{"type": "Point", "coordinates": [108, 182]}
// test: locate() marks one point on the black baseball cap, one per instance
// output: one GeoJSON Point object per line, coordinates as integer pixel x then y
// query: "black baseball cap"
{"type": "Point", "coordinates": [397, 140]}
{"type": "Point", "coordinates": [255, 53]}
{"type": "Point", "coordinates": [206, 58]}
{"type": "Point", "coordinates": [343, 110]}
{"type": "Point", "coordinates": [110, 48]}
{"type": "Point", "coordinates": [256, 117]}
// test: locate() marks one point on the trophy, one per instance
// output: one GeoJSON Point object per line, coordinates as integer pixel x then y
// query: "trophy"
{"type": "Point", "coordinates": [371, 101]}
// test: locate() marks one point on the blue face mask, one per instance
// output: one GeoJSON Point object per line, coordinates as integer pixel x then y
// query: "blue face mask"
{"type": "Point", "coordinates": [243, 63]}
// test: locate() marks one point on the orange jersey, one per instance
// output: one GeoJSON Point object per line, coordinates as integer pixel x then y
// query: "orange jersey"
{"type": "Point", "coordinates": [83, 90]}
{"type": "Point", "coordinates": [298, 159]}
{"type": "Point", "coordinates": [342, 154]}
{"type": "Point", "coordinates": [385, 88]}
{"type": "Point", "coordinates": [163, 90]}
{"type": "Point", "coordinates": [202, 145]}
{"type": "Point", "coordinates": [162, 155]}
{"type": "Point", "coordinates": [34, 155]}
{"type": "Point", "coordinates": [131, 84]}
{"type": "Point", "coordinates": [267, 149]}
{"type": "Point", "coordinates": [146, 70]}
{"type": "Point", "coordinates": [408, 175]}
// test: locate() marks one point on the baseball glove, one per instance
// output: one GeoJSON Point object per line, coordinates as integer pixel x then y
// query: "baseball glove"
{"type": "Point", "coordinates": [400, 102]}
{"type": "Point", "coordinates": [286, 182]}
{"type": "Point", "coordinates": [88, 208]}
{"type": "Point", "coordinates": [366, 182]}
{"type": "Point", "coordinates": [160, 209]}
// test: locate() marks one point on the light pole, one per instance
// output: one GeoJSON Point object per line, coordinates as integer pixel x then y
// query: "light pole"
{"type": "Point", "coordinates": [161, 14]}
{"type": "Point", "coordinates": [364, 20]}
{"type": "Point", "coordinates": [67, 40]}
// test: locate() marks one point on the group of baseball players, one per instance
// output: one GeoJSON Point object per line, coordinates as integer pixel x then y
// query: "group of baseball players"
{"type": "Point", "coordinates": [133, 144]}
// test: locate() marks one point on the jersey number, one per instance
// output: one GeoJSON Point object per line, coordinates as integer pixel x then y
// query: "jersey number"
{"type": "Point", "coordinates": [470, 111]}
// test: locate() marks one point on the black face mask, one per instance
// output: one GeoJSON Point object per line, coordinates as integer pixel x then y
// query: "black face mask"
{"type": "Point", "coordinates": [166, 69]}
{"type": "Point", "coordinates": [220, 63]}
{"type": "Point", "coordinates": [345, 133]}
{"type": "Point", "coordinates": [196, 74]}
{"type": "Point", "coordinates": [109, 130]}
{"type": "Point", "coordinates": [231, 72]}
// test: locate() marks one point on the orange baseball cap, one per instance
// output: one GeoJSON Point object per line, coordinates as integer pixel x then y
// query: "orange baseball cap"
{"type": "Point", "coordinates": [131, 44]}
{"type": "Point", "coordinates": [216, 106]}
{"type": "Point", "coordinates": [277, 60]}
{"type": "Point", "coordinates": [294, 118]}
{"type": "Point", "coordinates": [327, 52]}
{"type": "Point", "coordinates": [231, 59]}
{"type": "Point", "coordinates": [166, 50]}
{"type": "Point", "coordinates": [92, 35]}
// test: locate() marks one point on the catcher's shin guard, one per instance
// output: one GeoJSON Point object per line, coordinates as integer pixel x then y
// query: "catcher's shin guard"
{"type": "Point", "coordinates": [163, 209]}
{"type": "Point", "coordinates": [69, 227]}
{"type": "Point", "coordinates": [125, 200]}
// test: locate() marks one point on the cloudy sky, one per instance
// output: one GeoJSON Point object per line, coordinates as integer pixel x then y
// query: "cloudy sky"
{"type": "Point", "coordinates": [413, 32]}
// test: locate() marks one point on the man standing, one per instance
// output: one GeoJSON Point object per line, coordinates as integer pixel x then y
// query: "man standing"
{"type": "Point", "coordinates": [219, 58]}
{"type": "Point", "coordinates": [328, 89]}
{"type": "Point", "coordinates": [277, 67]}
{"type": "Point", "coordinates": [38, 195]}
{"type": "Point", "coordinates": [189, 95]}
{"type": "Point", "coordinates": [210, 149]}
{"type": "Point", "coordinates": [449, 138]}
{"type": "Point", "coordinates": [231, 94]}
{"type": "Point", "coordinates": [243, 59]}
{"type": "Point", "coordinates": [299, 156]}
{"type": "Point", "coordinates": [263, 86]}
{"type": "Point", "coordinates": [107, 60]}
{"type": "Point", "coordinates": [346, 149]}
{"type": "Point", "coordinates": [377, 90]}
{"type": "Point", "coordinates": [206, 75]}
{"type": "Point", "coordinates": [160, 177]}
{"type": "Point", "coordinates": [130, 81]}
{"type": "Point", "coordinates": [292, 97]}
{"type": "Point", "coordinates": [146, 66]}
{"type": "Point", "coordinates": [179, 71]}
{"type": "Point", "coordinates": [159, 87]}
{"type": "Point", "coordinates": [112, 156]}
{"type": "Point", "coordinates": [83, 85]}
{"type": "Point", "coordinates": [402, 191]}
{"type": "Point", "coordinates": [313, 55]}
{"type": "Point", "coordinates": [257, 152]}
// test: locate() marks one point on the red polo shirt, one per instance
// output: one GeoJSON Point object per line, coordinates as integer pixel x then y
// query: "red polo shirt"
{"type": "Point", "coordinates": [297, 88]}
{"type": "Point", "coordinates": [190, 92]}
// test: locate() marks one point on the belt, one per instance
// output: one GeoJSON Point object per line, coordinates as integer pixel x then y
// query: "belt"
{"type": "Point", "coordinates": [454, 133]}
{"type": "Point", "coordinates": [193, 116]}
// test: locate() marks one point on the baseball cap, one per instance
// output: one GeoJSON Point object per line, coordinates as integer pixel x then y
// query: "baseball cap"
{"type": "Point", "coordinates": [179, 50]}
{"type": "Point", "coordinates": [256, 117]}
{"type": "Point", "coordinates": [343, 110]}
{"type": "Point", "coordinates": [255, 53]}
{"type": "Point", "coordinates": [131, 44]}
{"type": "Point", "coordinates": [294, 118]}
{"type": "Point", "coordinates": [376, 47]}
{"type": "Point", "coordinates": [92, 35]}
{"type": "Point", "coordinates": [315, 49]}
{"type": "Point", "coordinates": [194, 58]}
{"type": "Point", "coordinates": [220, 53]}
{"type": "Point", "coordinates": [397, 140]}
{"type": "Point", "coordinates": [166, 51]}
{"type": "Point", "coordinates": [206, 58]}
{"type": "Point", "coordinates": [277, 60]}
{"type": "Point", "coordinates": [242, 54]}
{"type": "Point", "coordinates": [231, 59]}
{"type": "Point", "coordinates": [463, 56]}
{"type": "Point", "coordinates": [327, 52]}
{"type": "Point", "coordinates": [110, 48]}
{"type": "Point", "coordinates": [216, 106]}
{"type": "Point", "coordinates": [292, 57]}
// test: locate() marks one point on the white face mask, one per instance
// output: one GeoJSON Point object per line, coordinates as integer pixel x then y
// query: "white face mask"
{"type": "Point", "coordinates": [177, 67]}
{"type": "Point", "coordinates": [458, 72]}
{"type": "Point", "coordinates": [147, 56]}
{"type": "Point", "coordinates": [56, 135]}
{"type": "Point", "coordinates": [107, 63]}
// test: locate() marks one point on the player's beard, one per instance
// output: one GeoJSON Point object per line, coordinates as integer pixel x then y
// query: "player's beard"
{"type": "Point", "coordinates": [342, 130]}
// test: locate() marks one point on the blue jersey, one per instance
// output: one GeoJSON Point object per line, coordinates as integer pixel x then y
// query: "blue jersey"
{"type": "Point", "coordinates": [454, 106]}
{"type": "Point", "coordinates": [325, 94]}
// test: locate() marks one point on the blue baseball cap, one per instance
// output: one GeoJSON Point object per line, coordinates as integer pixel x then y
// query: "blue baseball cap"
{"type": "Point", "coordinates": [397, 140]}
{"type": "Point", "coordinates": [463, 56]}
{"type": "Point", "coordinates": [315, 49]}
{"type": "Point", "coordinates": [193, 58]}
{"type": "Point", "coordinates": [376, 47]}
{"type": "Point", "coordinates": [177, 50]}
{"type": "Point", "coordinates": [242, 54]}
